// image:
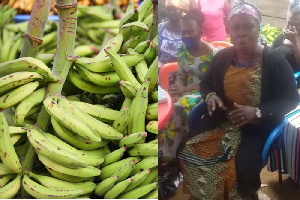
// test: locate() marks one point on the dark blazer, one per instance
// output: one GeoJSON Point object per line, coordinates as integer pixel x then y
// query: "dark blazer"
{"type": "Point", "coordinates": [279, 96]}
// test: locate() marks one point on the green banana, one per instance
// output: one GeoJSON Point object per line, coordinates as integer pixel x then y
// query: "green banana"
{"type": "Point", "coordinates": [130, 16]}
{"type": "Point", "coordinates": [137, 180]}
{"type": "Point", "coordinates": [90, 159]}
{"type": "Point", "coordinates": [150, 177]}
{"type": "Point", "coordinates": [17, 76]}
{"type": "Point", "coordinates": [5, 179]}
{"type": "Point", "coordinates": [151, 195]}
{"type": "Point", "coordinates": [140, 99]}
{"type": "Point", "coordinates": [14, 48]}
{"type": "Point", "coordinates": [145, 164]}
{"type": "Point", "coordinates": [131, 51]}
{"type": "Point", "coordinates": [104, 24]}
{"type": "Point", "coordinates": [66, 177]}
{"type": "Point", "coordinates": [150, 54]}
{"type": "Point", "coordinates": [85, 50]}
{"type": "Point", "coordinates": [153, 141]}
{"type": "Point", "coordinates": [109, 170]}
{"type": "Point", "coordinates": [53, 150]}
{"type": "Point", "coordinates": [142, 47]}
{"type": "Point", "coordinates": [152, 127]}
{"type": "Point", "coordinates": [141, 71]}
{"type": "Point", "coordinates": [15, 138]}
{"type": "Point", "coordinates": [97, 126]}
{"type": "Point", "coordinates": [11, 189]}
{"type": "Point", "coordinates": [118, 189]}
{"type": "Point", "coordinates": [152, 112]}
{"type": "Point", "coordinates": [101, 152]}
{"type": "Point", "coordinates": [113, 156]}
{"type": "Point", "coordinates": [134, 40]}
{"type": "Point", "coordinates": [46, 58]}
{"type": "Point", "coordinates": [105, 185]}
{"type": "Point", "coordinates": [28, 103]}
{"type": "Point", "coordinates": [88, 171]}
{"type": "Point", "coordinates": [21, 150]}
{"type": "Point", "coordinates": [74, 139]}
{"type": "Point", "coordinates": [120, 124]}
{"type": "Point", "coordinates": [148, 20]}
{"type": "Point", "coordinates": [16, 130]}
{"type": "Point", "coordinates": [128, 89]}
{"type": "Point", "coordinates": [49, 39]}
{"type": "Point", "coordinates": [133, 28]}
{"type": "Point", "coordinates": [7, 45]}
{"type": "Point", "coordinates": [69, 121]}
{"type": "Point", "coordinates": [4, 170]}
{"type": "Point", "coordinates": [144, 150]}
{"type": "Point", "coordinates": [114, 44]}
{"type": "Point", "coordinates": [97, 110]}
{"type": "Point", "coordinates": [101, 79]}
{"type": "Point", "coordinates": [124, 171]}
{"type": "Point", "coordinates": [145, 9]}
{"type": "Point", "coordinates": [152, 75]}
{"type": "Point", "coordinates": [26, 64]}
{"type": "Point", "coordinates": [7, 150]}
{"type": "Point", "coordinates": [154, 96]}
{"type": "Point", "coordinates": [105, 64]}
{"type": "Point", "coordinates": [57, 184]}
{"type": "Point", "coordinates": [74, 78]}
{"type": "Point", "coordinates": [40, 192]}
{"type": "Point", "coordinates": [139, 191]}
{"type": "Point", "coordinates": [122, 69]}
{"type": "Point", "coordinates": [130, 6]}
{"type": "Point", "coordinates": [133, 139]}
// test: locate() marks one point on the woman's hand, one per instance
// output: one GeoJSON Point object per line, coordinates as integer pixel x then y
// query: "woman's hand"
{"type": "Point", "coordinates": [243, 115]}
{"type": "Point", "coordinates": [176, 90]}
{"type": "Point", "coordinates": [212, 103]}
{"type": "Point", "coordinates": [291, 34]}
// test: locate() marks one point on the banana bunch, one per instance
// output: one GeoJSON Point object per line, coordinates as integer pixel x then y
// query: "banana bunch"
{"type": "Point", "coordinates": [6, 15]}
{"type": "Point", "coordinates": [270, 33]}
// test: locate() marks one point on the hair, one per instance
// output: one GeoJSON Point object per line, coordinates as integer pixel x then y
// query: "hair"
{"type": "Point", "coordinates": [194, 14]}
{"type": "Point", "coordinates": [295, 10]}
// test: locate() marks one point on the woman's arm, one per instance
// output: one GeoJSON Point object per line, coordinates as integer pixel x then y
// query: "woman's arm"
{"type": "Point", "coordinates": [282, 88]}
{"type": "Point", "coordinates": [297, 51]}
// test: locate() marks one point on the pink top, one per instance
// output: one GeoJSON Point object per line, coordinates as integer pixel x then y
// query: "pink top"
{"type": "Point", "coordinates": [214, 27]}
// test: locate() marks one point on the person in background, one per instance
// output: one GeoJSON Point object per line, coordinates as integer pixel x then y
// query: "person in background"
{"type": "Point", "coordinates": [169, 37]}
{"type": "Point", "coordinates": [215, 13]}
{"type": "Point", "coordinates": [248, 89]}
{"type": "Point", "coordinates": [292, 4]}
{"type": "Point", "coordinates": [194, 57]}
{"type": "Point", "coordinates": [288, 42]}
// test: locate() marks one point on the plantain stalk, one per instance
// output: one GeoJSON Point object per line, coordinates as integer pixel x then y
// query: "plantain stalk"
{"type": "Point", "coordinates": [153, 32]}
{"type": "Point", "coordinates": [35, 29]}
{"type": "Point", "coordinates": [67, 13]}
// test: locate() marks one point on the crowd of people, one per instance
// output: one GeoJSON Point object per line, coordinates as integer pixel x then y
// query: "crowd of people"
{"type": "Point", "coordinates": [247, 88]}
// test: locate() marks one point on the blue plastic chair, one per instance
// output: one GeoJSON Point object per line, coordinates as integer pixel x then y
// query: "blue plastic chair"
{"type": "Point", "coordinates": [273, 141]}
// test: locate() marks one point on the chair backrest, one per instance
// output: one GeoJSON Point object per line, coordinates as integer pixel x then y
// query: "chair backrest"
{"type": "Point", "coordinates": [164, 72]}
{"type": "Point", "coordinates": [221, 44]}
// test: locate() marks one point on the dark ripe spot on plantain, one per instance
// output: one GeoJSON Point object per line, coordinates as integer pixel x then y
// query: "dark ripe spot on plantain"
{"type": "Point", "coordinates": [30, 76]}
{"type": "Point", "coordinates": [19, 81]}
{"type": "Point", "coordinates": [30, 67]}
{"type": "Point", "coordinates": [58, 148]}
{"type": "Point", "coordinates": [11, 76]}
{"type": "Point", "coordinates": [108, 47]}
{"type": "Point", "coordinates": [88, 142]}
{"type": "Point", "coordinates": [5, 155]}
{"type": "Point", "coordinates": [5, 98]}
{"type": "Point", "coordinates": [35, 68]}
{"type": "Point", "coordinates": [38, 148]}
{"type": "Point", "coordinates": [118, 125]}
{"type": "Point", "coordinates": [4, 79]}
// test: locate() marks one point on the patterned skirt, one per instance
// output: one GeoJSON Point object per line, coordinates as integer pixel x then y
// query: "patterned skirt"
{"type": "Point", "coordinates": [208, 164]}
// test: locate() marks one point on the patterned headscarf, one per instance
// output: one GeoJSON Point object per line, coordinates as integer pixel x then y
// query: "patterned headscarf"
{"type": "Point", "coordinates": [176, 3]}
{"type": "Point", "coordinates": [245, 7]}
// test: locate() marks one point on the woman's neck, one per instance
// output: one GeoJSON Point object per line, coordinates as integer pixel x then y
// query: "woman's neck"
{"type": "Point", "coordinates": [173, 26]}
{"type": "Point", "coordinates": [246, 56]}
{"type": "Point", "coordinates": [202, 49]}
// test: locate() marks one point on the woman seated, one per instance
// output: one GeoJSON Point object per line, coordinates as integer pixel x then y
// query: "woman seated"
{"type": "Point", "coordinates": [194, 56]}
{"type": "Point", "coordinates": [248, 90]}
{"type": "Point", "coordinates": [288, 43]}
{"type": "Point", "coordinates": [169, 37]}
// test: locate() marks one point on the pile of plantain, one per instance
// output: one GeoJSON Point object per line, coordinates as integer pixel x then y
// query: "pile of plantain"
{"type": "Point", "coordinates": [102, 138]}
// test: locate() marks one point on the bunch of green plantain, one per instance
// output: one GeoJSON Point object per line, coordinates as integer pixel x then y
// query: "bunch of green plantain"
{"type": "Point", "coordinates": [102, 137]}
{"type": "Point", "coordinates": [270, 33]}
{"type": "Point", "coordinates": [6, 15]}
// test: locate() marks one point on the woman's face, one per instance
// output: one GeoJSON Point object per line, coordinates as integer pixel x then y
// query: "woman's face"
{"type": "Point", "coordinates": [243, 31]}
{"type": "Point", "coordinates": [294, 20]}
{"type": "Point", "coordinates": [190, 29]}
{"type": "Point", "coordinates": [174, 14]}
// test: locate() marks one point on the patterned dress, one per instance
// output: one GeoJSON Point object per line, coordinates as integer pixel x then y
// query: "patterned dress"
{"type": "Point", "coordinates": [208, 159]}
{"type": "Point", "coordinates": [192, 68]}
